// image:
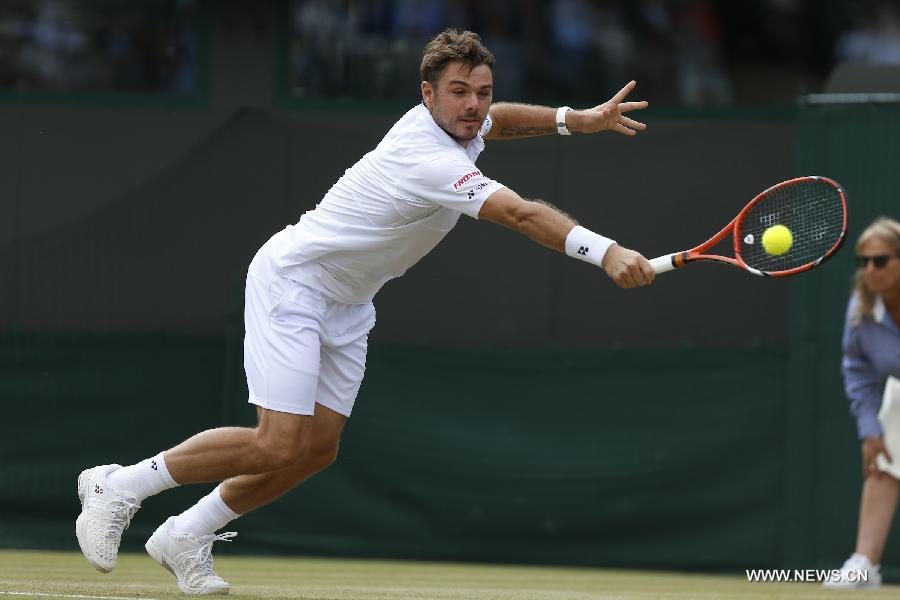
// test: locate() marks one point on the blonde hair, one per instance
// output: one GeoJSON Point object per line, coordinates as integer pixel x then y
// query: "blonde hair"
{"type": "Point", "coordinates": [888, 231]}
{"type": "Point", "coordinates": [452, 44]}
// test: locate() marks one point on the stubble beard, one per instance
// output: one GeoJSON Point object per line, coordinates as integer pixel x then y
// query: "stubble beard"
{"type": "Point", "coordinates": [449, 132]}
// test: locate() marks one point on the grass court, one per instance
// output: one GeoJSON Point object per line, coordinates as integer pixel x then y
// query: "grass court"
{"type": "Point", "coordinates": [44, 575]}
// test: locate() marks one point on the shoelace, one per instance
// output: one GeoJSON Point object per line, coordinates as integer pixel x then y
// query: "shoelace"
{"type": "Point", "coordinates": [123, 510]}
{"type": "Point", "coordinates": [200, 564]}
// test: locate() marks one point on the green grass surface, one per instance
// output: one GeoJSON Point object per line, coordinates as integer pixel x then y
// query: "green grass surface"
{"type": "Point", "coordinates": [37, 574]}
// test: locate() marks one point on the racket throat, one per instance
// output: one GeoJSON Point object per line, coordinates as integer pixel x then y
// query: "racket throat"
{"type": "Point", "coordinates": [679, 259]}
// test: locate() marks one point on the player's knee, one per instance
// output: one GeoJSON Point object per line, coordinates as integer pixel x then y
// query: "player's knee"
{"type": "Point", "coordinates": [323, 456]}
{"type": "Point", "coordinates": [274, 455]}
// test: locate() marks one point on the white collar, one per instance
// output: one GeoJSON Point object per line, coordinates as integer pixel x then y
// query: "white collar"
{"type": "Point", "coordinates": [878, 310]}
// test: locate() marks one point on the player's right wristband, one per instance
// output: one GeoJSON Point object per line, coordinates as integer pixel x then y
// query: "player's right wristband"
{"type": "Point", "coordinates": [586, 245]}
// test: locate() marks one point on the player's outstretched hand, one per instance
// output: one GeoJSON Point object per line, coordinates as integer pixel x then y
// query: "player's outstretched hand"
{"type": "Point", "coordinates": [608, 115]}
{"type": "Point", "coordinates": [627, 268]}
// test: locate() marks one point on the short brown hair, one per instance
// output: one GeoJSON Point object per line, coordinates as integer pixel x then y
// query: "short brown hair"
{"type": "Point", "coordinates": [452, 44]}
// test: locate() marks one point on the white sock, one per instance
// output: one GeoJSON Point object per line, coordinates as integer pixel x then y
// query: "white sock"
{"type": "Point", "coordinates": [206, 517]}
{"type": "Point", "coordinates": [144, 479]}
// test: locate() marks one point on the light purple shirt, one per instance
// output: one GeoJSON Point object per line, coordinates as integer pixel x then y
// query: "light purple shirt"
{"type": "Point", "coordinates": [871, 354]}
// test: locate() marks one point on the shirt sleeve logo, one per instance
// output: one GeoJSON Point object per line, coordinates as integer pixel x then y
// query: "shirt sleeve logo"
{"type": "Point", "coordinates": [465, 178]}
{"type": "Point", "coordinates": [478, 187]}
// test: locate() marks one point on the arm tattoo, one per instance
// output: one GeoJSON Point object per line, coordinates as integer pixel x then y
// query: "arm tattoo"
{"type": "Point", "coordinates": [507, 132]}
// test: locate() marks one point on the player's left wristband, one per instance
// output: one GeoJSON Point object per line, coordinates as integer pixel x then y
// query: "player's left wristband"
{"type": "Point", "coordinates": [561, 128]}
{"type": "Point", "coordinates": [586, 245]}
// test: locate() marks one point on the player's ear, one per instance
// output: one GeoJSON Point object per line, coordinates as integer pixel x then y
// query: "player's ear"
{"type": "Point", "coordinates": [427, 95]}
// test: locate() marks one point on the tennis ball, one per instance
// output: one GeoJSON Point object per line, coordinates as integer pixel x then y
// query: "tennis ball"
{"type": "Point", "coordinates": [777, 240]}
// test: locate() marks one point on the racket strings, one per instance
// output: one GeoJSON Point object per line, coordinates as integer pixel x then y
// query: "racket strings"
{"type": "Point", "coordinates": [813, 211]}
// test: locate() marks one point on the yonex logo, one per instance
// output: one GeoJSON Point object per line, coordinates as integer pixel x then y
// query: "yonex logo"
{"type": "Point", "coordinates": [819, 232]}
{"type": "Point", "coordinates": [478, 187]}
{"type": "Point", "coordinates": [769, 219]}
{"type": "Point", "coordinates": [153, 465]}
{"type": "Point", "coordinates": [583, 250]}
{"type": "Point", "coordinates": [98, 489]}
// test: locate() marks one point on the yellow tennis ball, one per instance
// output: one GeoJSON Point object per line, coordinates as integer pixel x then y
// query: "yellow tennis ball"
{"type": "Point", "coordinates": [777, 240]}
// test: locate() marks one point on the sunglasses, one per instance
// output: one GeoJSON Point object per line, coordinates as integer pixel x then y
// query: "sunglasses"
{"type": "Point", "coordinates": [878, 262]}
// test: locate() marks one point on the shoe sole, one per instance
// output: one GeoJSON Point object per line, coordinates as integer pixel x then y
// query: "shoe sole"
{"type": "Point", "coordinates": [80, 524]}
{"type": "Point", "coordinates": [157, 555]}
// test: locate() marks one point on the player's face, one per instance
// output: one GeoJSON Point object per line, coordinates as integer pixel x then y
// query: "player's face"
{"type": "Point", "coordinates": [460, 99]}
{"type": "Point", "coordinates": [887, 278]}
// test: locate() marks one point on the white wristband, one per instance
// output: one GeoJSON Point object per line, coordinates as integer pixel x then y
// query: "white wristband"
{"type": "Point", "coordinates": [561, 120]}
{"type": "Point", "coordinates": [586, 245]}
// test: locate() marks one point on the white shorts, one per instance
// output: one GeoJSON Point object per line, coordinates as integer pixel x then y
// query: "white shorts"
{"type": "Point", "coordinates": [300, 347]}
{"type": "Point", "coordinates": [889, 415]}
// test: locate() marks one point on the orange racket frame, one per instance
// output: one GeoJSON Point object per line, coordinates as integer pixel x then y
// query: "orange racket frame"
{"type": "Point", "coordinates": [669, 262]}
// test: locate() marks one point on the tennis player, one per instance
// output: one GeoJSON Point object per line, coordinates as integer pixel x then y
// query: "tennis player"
{"type": "Point", "coordinates": [308, 304]}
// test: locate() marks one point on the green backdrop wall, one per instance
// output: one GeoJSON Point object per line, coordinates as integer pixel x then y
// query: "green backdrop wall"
{"type": "Point", "coordinates": [603, 458]}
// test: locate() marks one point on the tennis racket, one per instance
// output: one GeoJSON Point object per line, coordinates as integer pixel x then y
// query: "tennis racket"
{"type": "Point", "coordinates": [813, 208]}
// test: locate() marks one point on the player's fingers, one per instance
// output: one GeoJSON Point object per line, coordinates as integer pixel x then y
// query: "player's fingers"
{"type": "Point", "coordinates": [634, 273]}
{"type": "Point", "coordinates": [631, 123]}
{"type": "Point", "coordinates": [637, 273]}
{"type": "Point", "coordinates": [624, 278]}
{"type": "Point", "coordinates": [620, 95]}
{"type": "Point", "coordinates": [643, 275]}
{"type": "Point", "coordinates": [622, 129]}
{"type": "Point", "coordinates": [887, 455]}
{"type": "Point", "coordinates": [626, 106]}
{"type": "Point", "coordinates": [648, 272]}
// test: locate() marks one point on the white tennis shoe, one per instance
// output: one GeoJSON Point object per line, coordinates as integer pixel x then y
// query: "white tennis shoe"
{"type": "Point", "coordinates": [105, 514]}
{"type": "Point", "coordinates": [188, 558]}
{"type": "Point", "coordinates": [858, 573]}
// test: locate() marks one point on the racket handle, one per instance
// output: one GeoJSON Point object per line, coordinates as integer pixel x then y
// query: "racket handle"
{"type": "Point", "coordinates": [664, 263]}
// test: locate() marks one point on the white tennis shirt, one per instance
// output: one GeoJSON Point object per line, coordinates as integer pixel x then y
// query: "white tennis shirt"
{"type": "Point", "coordinates": [386, 212]}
